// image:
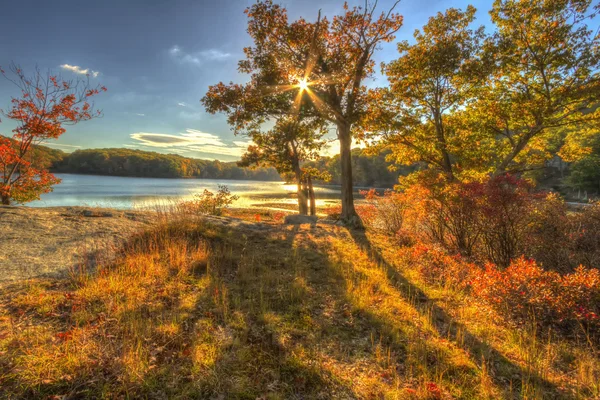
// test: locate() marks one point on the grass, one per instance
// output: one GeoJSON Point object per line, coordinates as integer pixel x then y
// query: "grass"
{"type": "Point", "coordinates": [197, 309]}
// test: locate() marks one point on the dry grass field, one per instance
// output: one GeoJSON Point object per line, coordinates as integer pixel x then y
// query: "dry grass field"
{"type": "Point", "coordinates": [197, 309]}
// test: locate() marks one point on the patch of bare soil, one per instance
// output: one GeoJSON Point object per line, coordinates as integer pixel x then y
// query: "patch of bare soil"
{"type": "Point", "coordinates": [39, 242]}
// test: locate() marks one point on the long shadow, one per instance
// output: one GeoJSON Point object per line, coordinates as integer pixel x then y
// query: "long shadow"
{"type": "Point", "coordinates": [447, 326]}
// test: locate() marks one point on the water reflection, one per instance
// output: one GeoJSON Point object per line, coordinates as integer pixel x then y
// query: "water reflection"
{"type": "Point", "coordinates": [122, 192]}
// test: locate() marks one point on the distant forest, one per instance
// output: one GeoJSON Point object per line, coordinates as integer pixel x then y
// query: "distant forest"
{"type": "Point", "coordinates": [146, 164]}
{"type": "Point", "coordinates": [369, 170]}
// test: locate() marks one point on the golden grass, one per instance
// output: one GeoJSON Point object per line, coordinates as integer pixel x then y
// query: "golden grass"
{"type": "Point", "coordinates": [198, 310]}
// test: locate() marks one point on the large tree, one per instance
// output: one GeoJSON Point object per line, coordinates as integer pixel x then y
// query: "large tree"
{"type": "Point", "coordinates": [327, 60]}
{"type": "Point", "coordinates": [47, 103]}
{"type": "Point", "coordinates": [469, 105]}
{"type": "Point", "coordinates": [546, 78]}
{"type": "Point", "coordinates": [438, 74]}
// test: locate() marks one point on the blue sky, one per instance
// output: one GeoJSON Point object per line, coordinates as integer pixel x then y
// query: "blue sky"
{"type": "Point", "coordinates": [157, 59]}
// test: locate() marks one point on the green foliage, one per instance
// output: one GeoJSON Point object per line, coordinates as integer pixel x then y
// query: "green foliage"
{"type": "Point", "coordinates": [434, 77]}
{"type": "Point", "coordinates": [467, 105]}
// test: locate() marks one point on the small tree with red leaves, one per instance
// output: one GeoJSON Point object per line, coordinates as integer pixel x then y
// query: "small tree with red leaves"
{"type": "Point", "coordinates": [46, 104]}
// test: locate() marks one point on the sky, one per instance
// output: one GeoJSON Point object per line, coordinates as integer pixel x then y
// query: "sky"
{"type": "Point", "coordinates": [157, 59]}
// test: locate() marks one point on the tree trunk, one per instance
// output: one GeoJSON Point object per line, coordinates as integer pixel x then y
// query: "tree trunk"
{"type": "Point", "coordinates": [302, 206]}
{"type": "Point", "coordinates": [5, 200]}
{"type": "Point", "coordinates": [311, 196]}
{"type": "Point", "coordinates": [348, 211]}
{"type": "Point", "coordinates": [443, 147]}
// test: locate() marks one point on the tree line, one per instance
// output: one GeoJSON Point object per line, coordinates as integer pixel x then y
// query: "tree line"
{"type": "Point", "coordinates": [146, 164]}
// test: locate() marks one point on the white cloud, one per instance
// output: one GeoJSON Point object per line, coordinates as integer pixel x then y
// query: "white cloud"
{"type": "Point", "coordinates": [78, 70]}
{"type": "Point", "coordinates": [60, 145]}
{"type": "Point", "coordinates": [239, 143]}
{"type": "Point", "coordinates": [226, 151]}
{"type": "Point", "coordinates": [182, 104]}
{"type": "Point", "coordinates": [141, 115]}
{"type": "Point", "coordinates": [191, 140]}
{"type": "Point", "coordinates": [197, 58]}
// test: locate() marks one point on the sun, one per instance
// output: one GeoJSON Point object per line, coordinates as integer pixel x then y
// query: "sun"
{"type": "Point", "coordinates": [302, 84]}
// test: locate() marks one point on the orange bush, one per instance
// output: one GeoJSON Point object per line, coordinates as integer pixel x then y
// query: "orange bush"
{"type": "Point", "coordinates": [385, 212]}
{"type": "Point", "coordinates": [524, 291]}
{"type": "Point", "coordinates": [437, 266]}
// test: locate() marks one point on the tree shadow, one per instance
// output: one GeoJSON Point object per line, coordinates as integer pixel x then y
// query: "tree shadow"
{"type": "Point", "coordinates": [480, 352]}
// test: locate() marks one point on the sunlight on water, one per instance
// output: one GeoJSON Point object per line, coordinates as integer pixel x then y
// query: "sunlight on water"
{"type": "Point", "coordinates": [122, 192]}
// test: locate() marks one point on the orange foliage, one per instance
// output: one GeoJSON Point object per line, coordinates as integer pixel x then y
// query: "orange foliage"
{"type": "Point", "coordinates": [46, 104]}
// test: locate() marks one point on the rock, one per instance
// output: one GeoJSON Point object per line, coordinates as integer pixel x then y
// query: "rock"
{"type": "Point", "coordinates": [297, 219]}
{"type": "Point", "coordinates": [100, 213]}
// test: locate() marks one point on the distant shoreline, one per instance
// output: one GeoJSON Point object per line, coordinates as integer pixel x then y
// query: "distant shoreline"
{"type": "Point", "coordinates": [327, 185]}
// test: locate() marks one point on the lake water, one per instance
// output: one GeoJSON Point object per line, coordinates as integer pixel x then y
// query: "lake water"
{"type": "Point", "coordinates": [122, 192]}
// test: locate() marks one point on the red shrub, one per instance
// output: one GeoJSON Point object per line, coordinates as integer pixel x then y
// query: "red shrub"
{"type": "Point", "coordinates": [437, 266]}
{"type": "Point", "coordinates": [446, 213]}
{"type": "Point", "coordinates": [524, 291]}
{"type": "Point", "coordinates": [505, 217]}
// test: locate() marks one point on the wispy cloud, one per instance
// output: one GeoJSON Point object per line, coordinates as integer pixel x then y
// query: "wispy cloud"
{"type": "Point", "coordinates": [191, 140]}
{"type": "Point", "coordinates": [182, 104]}
{"type": "Point", "coordinates": [199, 57]}
{"type": "Point", "coordinates": [65, 147]}
{"type": "Point", "coordinates": [141, 115]}
{"type": "Point", "coordinates": [79, 70]}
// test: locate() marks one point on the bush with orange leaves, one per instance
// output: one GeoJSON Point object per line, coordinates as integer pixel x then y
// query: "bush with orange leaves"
{"type": "Point", "coordinates": [560, 240]}
{"type": "Point", "coordinates": [385, 212]}
{"type": "Point", "coordinates": [436, 266]}
{"type": "Point", "coordinates": [525, 291]}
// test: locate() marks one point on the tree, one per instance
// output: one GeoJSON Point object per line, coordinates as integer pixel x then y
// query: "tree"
{"type": "Point", "coordinates": [47, 103]}
{"type": "Point", "coordinates": [285, 147]}
{"type": "Point", "coordinates": [546, 78]}
{"type": "Point", "coordinates": [328, 62]}
{"type": "Point", "coordinates": [433, 78]}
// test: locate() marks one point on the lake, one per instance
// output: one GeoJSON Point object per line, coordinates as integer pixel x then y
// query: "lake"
{"type": "Point", "coordinates": [124, 192]}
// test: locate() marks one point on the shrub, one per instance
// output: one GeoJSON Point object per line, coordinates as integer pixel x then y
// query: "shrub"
{"type": "Point", "coordinates": [209, 202]}
{"type": "Point", "coordinates": [488, 220]}
{"type": "Point", "coordinates": [524, 292]}
{"type": "Point", "coordinates": [446, 213]}
{"type": "Point", "coordinates": [584, 236]}
{"type": "Point", "coordinates": [547, 239]}
{"type": "Point", "coordinates": [560, 240]}
{"type": "Point", "coordinates": [386, 212]}
{"type": "Point", "coordinates": [437, 266]}
{"type": "Point", "coordinates": [505, 215]}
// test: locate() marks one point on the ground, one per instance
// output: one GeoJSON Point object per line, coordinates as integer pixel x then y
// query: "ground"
{"type": "Point", "coordinates": [222, 308]}
{"type": "Point", "coordinates": [37, 242]}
